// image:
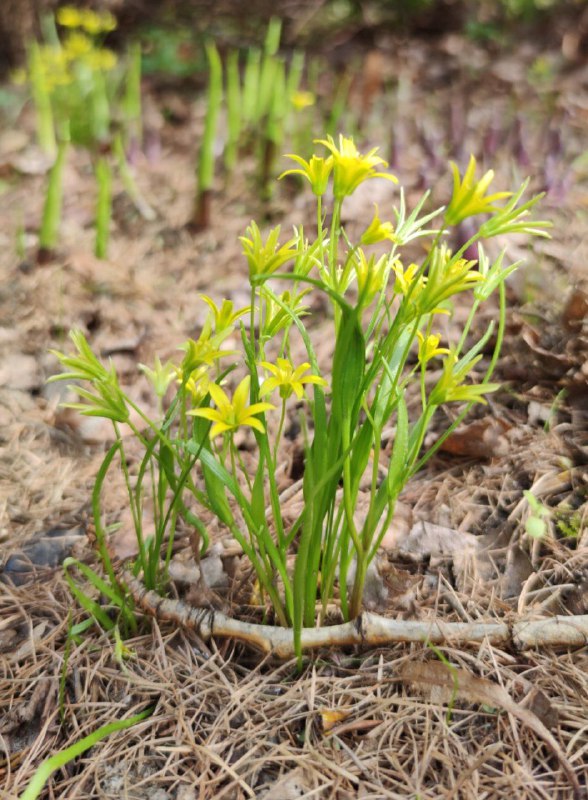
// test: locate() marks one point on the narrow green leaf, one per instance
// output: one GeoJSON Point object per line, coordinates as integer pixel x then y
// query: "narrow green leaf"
{"type": "Point", "coordinates": [397, 471]}
{"type": "Point", "coordinates": [348, 366]}
{"type": "Point", "coordinates": [63, 757]}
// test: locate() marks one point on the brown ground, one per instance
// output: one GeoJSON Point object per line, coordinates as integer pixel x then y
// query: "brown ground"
{"type": "Point", "coordinates": [224, 724]}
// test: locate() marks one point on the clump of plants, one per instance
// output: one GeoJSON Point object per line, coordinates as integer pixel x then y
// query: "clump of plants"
{"type": "Point", "coordinates": [84, 96]}
{"type": "Point", "coordinates": [385, 323]}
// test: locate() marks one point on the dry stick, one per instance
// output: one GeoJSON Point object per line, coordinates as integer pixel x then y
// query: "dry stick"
{"type": "Point", "coordinates": [366, 629]}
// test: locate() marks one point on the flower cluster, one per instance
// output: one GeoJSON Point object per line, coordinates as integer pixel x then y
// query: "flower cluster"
{"type": "Point", "coordinates": [93, 22]}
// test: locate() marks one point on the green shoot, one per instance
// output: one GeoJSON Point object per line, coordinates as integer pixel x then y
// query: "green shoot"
{"type": "Point", "coordinates": [206, 158]}
{"type": "Point", "coordinates": [63, 757]}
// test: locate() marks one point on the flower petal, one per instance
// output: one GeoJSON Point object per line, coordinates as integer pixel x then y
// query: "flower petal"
{"type": "Point", "coordinates": [255, 423]}
{"type": "Point", "coordinates": [241, 396]}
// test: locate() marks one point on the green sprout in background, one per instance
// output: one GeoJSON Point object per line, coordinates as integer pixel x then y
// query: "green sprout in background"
{"type": "Point", "coordinates": [206, 158]}
{"type": "Point", "coordinates": [262, 102]}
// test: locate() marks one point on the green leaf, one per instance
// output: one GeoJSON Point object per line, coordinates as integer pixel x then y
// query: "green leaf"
{"type": "Point", "coordinates": [397, 471]}
{"type": "Point", "coordinates": [86, 602]}
{"type": "Point", "coordinates": [348, 366]}
{"type": "Point", "coordinates": [258, 494]}
{"type": "Point", "coordinates": [63, 757]}
{"type": "Point", "coordinates": [360, 454]}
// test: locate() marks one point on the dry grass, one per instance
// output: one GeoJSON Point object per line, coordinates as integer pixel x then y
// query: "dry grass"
{"type": "Point", "coordinates": [226, 727]}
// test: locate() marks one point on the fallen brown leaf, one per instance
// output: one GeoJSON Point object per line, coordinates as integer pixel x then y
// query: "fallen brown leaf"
{"type": "Point", "coordinates": [484, 438]}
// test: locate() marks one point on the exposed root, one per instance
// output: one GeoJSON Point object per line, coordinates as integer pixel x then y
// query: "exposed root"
{"type": "Point", "coordinates": [368, 629]}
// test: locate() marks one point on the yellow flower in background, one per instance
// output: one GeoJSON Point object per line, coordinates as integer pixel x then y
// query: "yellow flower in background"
{"type": "Point", "coordinates": [230, 415]}
{"type": "Point", "coordinates": [198, 384]}
{"type": "Point", "coordinates": [275, 317]}
{"type": "Point", "coordinates": [447, 276]}
{"type": "Point", "coordinates": [53, 66]}
{"type": "Point", "coordinates": [101, 59]}
{"type": "Point", "coordinates": [316, 171]}
{"type": "Point", "coordinates": [301, 100]}
{"type": "Point", "coordinates": [94, 22]}
{"type": "Point", "coordinates": [203, 350]}
{"type": "Point", "coordinates": [287, 379]}
{"type": "Point", "coordinates": [69, 17]}
{"type": "Point", "coordinates": [351, 168]}
{"type": "Point", "coordinates": [77, 45]}
{"type": "Point", "coordinates": [160, 376]}
{"type": "Point", "coordinates": [429, 347]}
{"type": "Point", "coordinates": [468, 194]}
{"type": "Point", "coordinates": [377, 231]}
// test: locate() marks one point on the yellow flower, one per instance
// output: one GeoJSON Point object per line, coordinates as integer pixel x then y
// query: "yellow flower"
{"type": "Point", "coordinates": [224, 318]}
{"type": "Point", "coordinates": [378, 231]}
{"type": "Point", "coordinates": [316, 171]}
{"type": "Point", "coordinates": [198, 384]}
{"type": "Point", "coordinates": [447, 276]}
{"type": "Point", "coordinates": [276, 318]}
{"type": "Point", "coordinates": [204, 350]}
{"type": "Point", "coordinates": [301, 100]}
{"type": "Point", "coordinates": [97, 22]}
{"type": "Point", "coordinates": [288, 379]}
{"type": "Point", "coordinates": [77, 45]}
{"type": "Point", "coordinates": [429, 347]}
{"type": "Point", "coordinates": [228, 416]}
{"type": "Point", "coordinates": [405, 279]}
{"type": "Point", "coordinates": [101, 59]}
{"type": "Point", "coordinates": [94, 22]}
{"type": "Point", "coordinates": [160, 376]}
{"type": "Point", "coordinates": [69, 17]}
{"type": "Point", "coordinates": [371, 275]}
{"type": "Point", "coordinates": [450, 387]}
{"type": "Point", "coordinates": [263, 259]}
{"type": "Point", "coordinates": [468, 194]}
{"type": "Point", "coordinates": [351, 168]}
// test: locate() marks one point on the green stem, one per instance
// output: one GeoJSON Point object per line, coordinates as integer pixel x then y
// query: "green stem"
{"type": "Point", "coordinates": [135, 508]}
{"type": "Point", "coordinates": [53, 200]}
{"type": "Point", "coordinates": [42, 101]}
{"type": "Point", "coordinates": [467, 327]}
{"type": "Point", "coordinates": [103, 206]}
{"type": "Point", "coordinates": [279, 434]}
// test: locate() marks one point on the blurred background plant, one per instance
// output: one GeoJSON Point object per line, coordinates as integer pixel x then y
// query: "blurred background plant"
{"type": "Point", "coordinates": [263, 105]}
{"type": "Point", "coordinates": [84, 96]}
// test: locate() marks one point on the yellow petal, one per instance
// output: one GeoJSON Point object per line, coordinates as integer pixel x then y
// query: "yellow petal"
{"type": "Point", "coordinates": [255, 423]}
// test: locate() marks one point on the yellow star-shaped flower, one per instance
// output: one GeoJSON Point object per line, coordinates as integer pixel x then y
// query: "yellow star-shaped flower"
{"type": "Point", "coordinates": [230, 415]}
{"type": "Point", "coordinates": [468, 194]}
{"type": "Point", "coordinates": [287, 379]}
{"type": "Point", "coordinates": [351, 168]}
